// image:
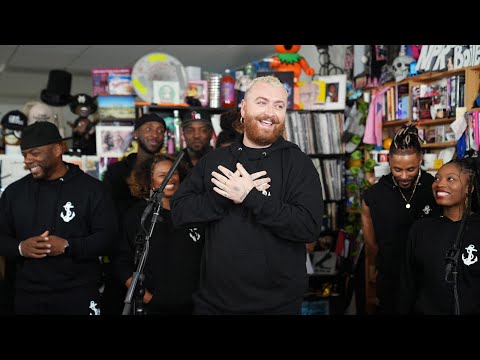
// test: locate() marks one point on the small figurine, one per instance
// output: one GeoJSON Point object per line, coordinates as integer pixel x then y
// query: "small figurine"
{"type": "Point", "coordinates": [83, 129]}
{"type": "Point", "coordinates": [287, 59]}
{"type": "Point", "coordinates": [192, 96]}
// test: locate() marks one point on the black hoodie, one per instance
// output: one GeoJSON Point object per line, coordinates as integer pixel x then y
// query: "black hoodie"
{"type": "Point", "coordinates": [254, 258]}
{"type": "Point", "coordinates": [115, 178]}
{"type": "Point", "coordinates": [28, 207]}
{"type": "Point", "coordinates": [424, 289]}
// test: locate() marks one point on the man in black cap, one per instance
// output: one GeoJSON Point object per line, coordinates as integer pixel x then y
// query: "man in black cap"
{"type": "Point", "coordinates": [150, 135]}
{"type": "Point", "coordinates": [197, 131]}
{"type": "Point", "coordinates": [56, 222]}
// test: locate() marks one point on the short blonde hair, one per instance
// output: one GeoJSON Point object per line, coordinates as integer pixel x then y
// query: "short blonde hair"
{"type": "Point", "coordinates": [269, 79]}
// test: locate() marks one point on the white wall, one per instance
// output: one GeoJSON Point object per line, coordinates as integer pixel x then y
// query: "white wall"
{"type": "Point", "coordinates": [310, 53]}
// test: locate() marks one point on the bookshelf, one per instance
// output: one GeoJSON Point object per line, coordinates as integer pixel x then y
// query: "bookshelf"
{"type": "Point", "coordinates": [470, 93]}
{"type": "Point", "coordinates": [318, 133]}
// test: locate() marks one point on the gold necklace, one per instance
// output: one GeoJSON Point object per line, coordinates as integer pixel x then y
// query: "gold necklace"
{"type": "Point", "coordinates": [413, 192]}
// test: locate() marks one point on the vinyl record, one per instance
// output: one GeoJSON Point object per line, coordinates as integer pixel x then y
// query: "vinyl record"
{"type": "Point", "coordinates": [157, 66]}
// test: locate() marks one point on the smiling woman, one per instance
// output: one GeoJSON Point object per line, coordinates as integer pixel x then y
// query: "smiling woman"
{"type": "Point", "coordinates": [173, 261]}
{"type": "Point", "coordinates": [440, 274]}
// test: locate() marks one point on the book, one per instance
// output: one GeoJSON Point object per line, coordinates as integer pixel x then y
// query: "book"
{"type": "Point", "coordinates": [101, 78]}
{"type": "Point", "coordinates": [402, 102]}
{"type": "Point", "coordinates": [120, 84]}
{"type": "Point", "coordinates": [424, 108]}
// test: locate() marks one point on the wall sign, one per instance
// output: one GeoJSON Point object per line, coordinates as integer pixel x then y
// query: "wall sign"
{"type": "Point", "coordinates": [447, 57]}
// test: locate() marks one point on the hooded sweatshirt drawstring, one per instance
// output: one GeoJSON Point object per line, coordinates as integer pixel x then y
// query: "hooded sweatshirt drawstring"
{"type": "Point", "coordinates": [57, 200]}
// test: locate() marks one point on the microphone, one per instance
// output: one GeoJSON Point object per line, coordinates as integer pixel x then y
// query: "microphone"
{"type": "Point", "coordinates": [169, 174]}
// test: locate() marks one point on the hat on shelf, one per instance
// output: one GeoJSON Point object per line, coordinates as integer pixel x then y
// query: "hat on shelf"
{"type": "Point", "coordinates": [58, 88]}
{"type": "Point", "coordinates": [149, 117]}
{"type": "Point", "coordinates": [40, 133]}
{"type": "Point", "coordinates": [83, 105]}
{"type": "Point", "coordinates": [192, 116]}
{"type": "Point", "coordinates": [40, 112]}
{"type": "Point", "coordinates": [15, 120]}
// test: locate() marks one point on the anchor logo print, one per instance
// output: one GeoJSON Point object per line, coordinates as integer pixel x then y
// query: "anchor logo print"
{"type": "Point", "coordinates": [470, 258]}
{"type": "Point", "coordinates": [69, 215]}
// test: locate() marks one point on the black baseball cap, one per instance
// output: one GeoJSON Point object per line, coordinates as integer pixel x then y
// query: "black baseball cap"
{"type": "Point", "coordinates": [149, 117]}
{"type": "Point", "coordinates": [40, 133]}
{"type": "Point", "coordinates": [192, 116]}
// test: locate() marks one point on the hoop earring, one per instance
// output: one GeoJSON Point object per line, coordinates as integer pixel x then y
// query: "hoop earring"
{"type": "Point", "coordinates": [241, 120]}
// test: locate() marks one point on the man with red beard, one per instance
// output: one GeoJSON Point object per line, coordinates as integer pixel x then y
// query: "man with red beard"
{"type": "Point", "coordinates": [261, 201]}
{"type": "Point", "coordinates": [150, 135]}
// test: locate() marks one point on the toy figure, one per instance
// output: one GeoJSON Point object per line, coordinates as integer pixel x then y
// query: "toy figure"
{"type": "Point", "coordinates": [13, 123]}
{"type": "Point", "coordinates": [192, 96]}
{"type": "Point", "coordinates": [83, 130]}
{"type": "Point", "coordinates": [287, 59]}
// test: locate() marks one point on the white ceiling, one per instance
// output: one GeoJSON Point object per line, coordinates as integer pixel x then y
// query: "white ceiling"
{"type": "Point", "coordinates": [24, 68]}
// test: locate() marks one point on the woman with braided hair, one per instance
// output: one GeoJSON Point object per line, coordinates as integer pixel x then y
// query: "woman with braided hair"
{"type": "Point", "coordinates": [390, 207]}
{"type": "Point", "coordinates": [441, 271]}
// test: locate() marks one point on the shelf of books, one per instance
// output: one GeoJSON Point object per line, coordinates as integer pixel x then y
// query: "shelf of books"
{"type": "Point", "coordinates": [319, 135]}
{"type": "Point", "coordinates": [432, 101]}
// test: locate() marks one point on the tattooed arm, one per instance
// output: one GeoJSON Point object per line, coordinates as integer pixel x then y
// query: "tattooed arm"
{"type": "Point", "coordinates": [236, 186]}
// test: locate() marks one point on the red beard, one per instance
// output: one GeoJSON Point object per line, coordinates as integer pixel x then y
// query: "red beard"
{"type": "Point", "coordinates": [260, 136]}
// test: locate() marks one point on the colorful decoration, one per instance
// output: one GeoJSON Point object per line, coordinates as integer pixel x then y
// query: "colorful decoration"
{"type": "Point", "coordinates": [287, 59]}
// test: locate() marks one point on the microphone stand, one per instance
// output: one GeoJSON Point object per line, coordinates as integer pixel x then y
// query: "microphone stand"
{"type": "Point", "coordinates": [142, 249]}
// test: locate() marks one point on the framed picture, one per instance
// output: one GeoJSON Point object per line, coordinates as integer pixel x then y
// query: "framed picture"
{"type": "Point", "coordinates": [113, 141]}
{"type": "Point", "coordinates": [166, 92]}
{"type": "Point", "coordinates": [199, 90]}
{"type": "Point", "coordinates": [113, 108]}
{"type": "Point", "coordinates": [312, 94]}
{"type": "Point", "coordinates": [335, 91]}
